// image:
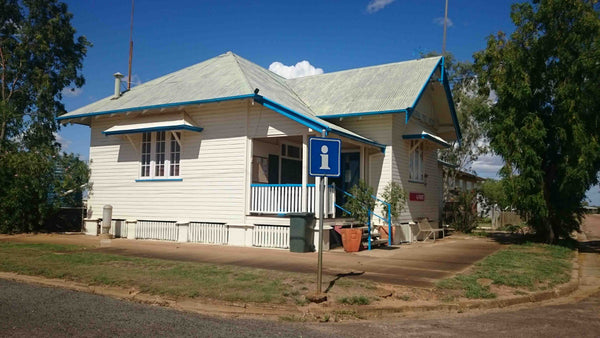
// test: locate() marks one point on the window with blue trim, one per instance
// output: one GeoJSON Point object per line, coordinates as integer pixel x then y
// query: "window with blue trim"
{"type": "Point", "coordinates": [160, 155]}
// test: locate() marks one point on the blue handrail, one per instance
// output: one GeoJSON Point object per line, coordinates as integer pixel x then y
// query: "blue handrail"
{"type": "Point", "coordinates": [387, 220]}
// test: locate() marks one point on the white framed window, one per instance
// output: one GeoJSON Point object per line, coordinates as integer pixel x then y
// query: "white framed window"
{"type": "Point", "coordinates": [290, 151]}
{"type": "Point", "coordinates": [160, 155]}
{"type": "Point", "coordinates": [415, 161]}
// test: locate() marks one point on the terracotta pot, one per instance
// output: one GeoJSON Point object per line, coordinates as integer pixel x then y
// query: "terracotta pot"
{"type": "Point", "coordinates": [351, 239]}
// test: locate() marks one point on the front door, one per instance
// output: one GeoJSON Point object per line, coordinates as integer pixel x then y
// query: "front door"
{"type": "Point", "coordinates": [350, 175]}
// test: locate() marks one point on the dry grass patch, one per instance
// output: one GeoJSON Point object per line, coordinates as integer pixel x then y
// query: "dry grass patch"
{"type": "Point", "coordinates": [170, 278]}
{"type": "Point", "coordinates": [528, 266]}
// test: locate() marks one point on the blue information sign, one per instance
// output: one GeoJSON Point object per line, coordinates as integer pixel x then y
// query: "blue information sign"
{"type": "Point", "coordinates": [324, 156]}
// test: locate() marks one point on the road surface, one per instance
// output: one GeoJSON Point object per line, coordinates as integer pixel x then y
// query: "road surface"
{"type": "Point", "coordinates": [35, 311]}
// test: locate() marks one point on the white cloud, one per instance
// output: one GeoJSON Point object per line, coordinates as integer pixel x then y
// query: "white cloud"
{"type": "Point", "coordinates": [440, 22]}
{"type": "Point", "coordinates": [377, 5]}
{"type": "Point", "coordinates": [488, 165]}
{"type": "Point", "coordinates": [302, 68]}
{"type": "Point", "coordinates": [71, 92]}
{"type": "Point", "coordinates": [64, 143]}
{"type": "Point", "coordinates": [135, 80]}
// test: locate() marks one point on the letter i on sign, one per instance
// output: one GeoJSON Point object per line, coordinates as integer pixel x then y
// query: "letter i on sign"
{"type": "Point", "coordinates": [324, 158]}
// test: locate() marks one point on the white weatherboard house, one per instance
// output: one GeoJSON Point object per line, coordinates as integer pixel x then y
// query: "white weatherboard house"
{"type": "Point", "coordinates": [217, 152]}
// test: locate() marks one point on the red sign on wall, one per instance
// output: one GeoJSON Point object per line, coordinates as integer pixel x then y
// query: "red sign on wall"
{"type": "Point", "coordinates": [417, 196]}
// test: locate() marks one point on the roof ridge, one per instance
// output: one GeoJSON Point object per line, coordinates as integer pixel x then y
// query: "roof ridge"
{"type": "Point", "coordinates": [362, 68]}
{"type": "Point", "coordinates": [241, 70]}
{"type": "Point", "coordinates": [280, 79]}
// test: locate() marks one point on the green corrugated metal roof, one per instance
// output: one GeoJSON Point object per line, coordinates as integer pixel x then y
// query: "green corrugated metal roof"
{"type": "Point", "coordinates": [393, 86]}
{"type": "Point", "coordinates": [379, 88]}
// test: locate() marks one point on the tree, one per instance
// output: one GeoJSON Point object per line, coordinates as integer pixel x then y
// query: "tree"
{"type": "Point", "coordinates": [546, 122]}
{"type": "Point", "coordinates": [494, 192]}
{"type": "Point", "coordinates": [39, 57]}
{"type": "Point", "coordinates": [362, 203]}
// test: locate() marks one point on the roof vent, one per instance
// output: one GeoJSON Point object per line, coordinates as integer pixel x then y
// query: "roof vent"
{"type": "Point", "coordinates": [118, 76]}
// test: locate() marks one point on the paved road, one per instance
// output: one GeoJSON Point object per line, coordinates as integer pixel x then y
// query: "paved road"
{"type": "Point", "coordinates": [27, 310]}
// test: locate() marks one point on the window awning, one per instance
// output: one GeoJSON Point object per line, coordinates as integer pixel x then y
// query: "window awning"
{"type": "Point", "coordinates": [153, 123]}
{"type": "Point", "coordinates": [428, 137]}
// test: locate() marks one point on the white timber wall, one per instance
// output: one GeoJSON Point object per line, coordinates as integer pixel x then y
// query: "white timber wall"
{"type": "Point", "coordinates": [433, 181]}
{"type": "Point", "coordinates": [379, 165]}
{"type": "Point", "coordinates": [393, 164]}
{"type": "Point", "coordinates": [214, 167]}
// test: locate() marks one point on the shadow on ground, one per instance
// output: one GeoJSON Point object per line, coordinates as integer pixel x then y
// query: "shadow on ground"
{"type": "Point", "coordinates": [342, 275]}
{"type": "Point", "coordinates": [590, 247]}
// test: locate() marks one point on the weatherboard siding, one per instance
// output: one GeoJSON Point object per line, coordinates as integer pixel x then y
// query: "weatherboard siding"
{"type": "Point", "coordinates": [266, 122]}
{"type": "Point", "coordinates": [400, 171]}
{"type": "Point", "coordinates": [379, 129]}
{"type": "Point", "coordinates": [212, 168]}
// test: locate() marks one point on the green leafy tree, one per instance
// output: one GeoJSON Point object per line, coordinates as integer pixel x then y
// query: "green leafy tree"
{"type": "Point", "coordinates": [494, 192]}
{"type": "Point", "coordinates": [396, 197]}
{"type": "Point", "coordinates": [546, 121]}
{"type": "Point", "coordinates": [362, 202]}
{"type": "Point", "coordinates": [39, 57]}
{"type": "Point", "coordinates": [465, 211]}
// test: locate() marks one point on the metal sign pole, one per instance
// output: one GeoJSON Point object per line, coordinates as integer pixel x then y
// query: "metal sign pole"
{"type": "Point", "coordinates": [320, 259]}
{"type": "Point", "coordinates": [321, 209]}
{"type": "Point", "coordinates": [324, 156]}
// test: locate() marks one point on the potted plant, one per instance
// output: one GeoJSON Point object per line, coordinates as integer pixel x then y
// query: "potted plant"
{"type": "Point", "coordinates": [359, 207]}
{"type": "Point", "coordinates": [395, 196]}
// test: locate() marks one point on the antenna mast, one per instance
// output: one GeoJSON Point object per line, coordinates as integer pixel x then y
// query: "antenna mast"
{"type": "Point", "coordinates": [131, 47]}
{"type": "Point", "coordinates": [445, 25]}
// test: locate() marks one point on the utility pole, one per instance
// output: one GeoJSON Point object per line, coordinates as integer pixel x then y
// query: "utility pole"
{"type": "Point", "coordinates": [130, 46]}
{"type": "Point", "coordinates": [445, 27]}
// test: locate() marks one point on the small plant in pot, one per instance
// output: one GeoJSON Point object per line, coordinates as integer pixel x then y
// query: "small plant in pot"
{"type": "Point", "coordinates": [395, 196]}
{"type": "Point", "coordinates": [358, 208]}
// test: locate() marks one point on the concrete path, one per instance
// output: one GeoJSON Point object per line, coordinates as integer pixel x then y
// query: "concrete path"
{"type": "Point", "coordinates": [419, 264]}
{"type": "Point", "coordinates": [589, 254]}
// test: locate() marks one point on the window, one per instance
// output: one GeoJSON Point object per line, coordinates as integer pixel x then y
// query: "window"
{"type": "Point", "coordinates": [146, 150]}
{"type": "Point", "coordinates": [160, 155]}
{"type": "Point", "coordinates": [292, 151]}
{"type": "Point", "coordinates": [415, 161]}
{"type": "Point", "coordinates": [175, 154]}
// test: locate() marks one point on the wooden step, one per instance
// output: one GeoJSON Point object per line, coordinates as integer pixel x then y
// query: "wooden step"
{"type": "Point", "coordinates": [376, 242]}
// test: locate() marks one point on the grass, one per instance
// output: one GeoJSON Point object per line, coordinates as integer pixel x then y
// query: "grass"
{"type": "Point", "coordinates": [527, 266]}
{"type": "Point", "coordinates": [355, 300]}
{"type": "Point", "coordinates": [160, 277]}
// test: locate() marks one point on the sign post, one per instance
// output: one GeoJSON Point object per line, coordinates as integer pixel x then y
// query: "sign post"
{"type": "Point", "coordinates": [324, 161]}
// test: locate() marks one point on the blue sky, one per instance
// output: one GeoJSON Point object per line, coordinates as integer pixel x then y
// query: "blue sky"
{"type": "Point", "coordinates": [330, 35]}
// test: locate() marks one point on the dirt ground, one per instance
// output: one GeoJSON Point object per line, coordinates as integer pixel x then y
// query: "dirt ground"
{"type": "Point", "coordinates": [410, 265]}
{"type": "Point", "coordinates": [406, 274]}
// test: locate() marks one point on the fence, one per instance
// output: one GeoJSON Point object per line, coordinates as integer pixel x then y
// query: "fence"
{"type": "Point", "coordinates": [266, 236]}
{"type": "Point", "coordinates": [271, 236]}
{"type": "Point", "coordinates": [504, 218]}
{"type": "Point", "coordinates": [213, 233]}
{"type": "Point", "coordinates": [287, 198]}
{"type": "Point", "coordinates": [156, 230]}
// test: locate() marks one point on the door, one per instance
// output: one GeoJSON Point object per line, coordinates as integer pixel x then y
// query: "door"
{"type": "Point", "coordinates": [291, 171]}
{"type": "Point", "coordinates": [350, 175]}
{"type": "Point", "coordinates": [273, 169]}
